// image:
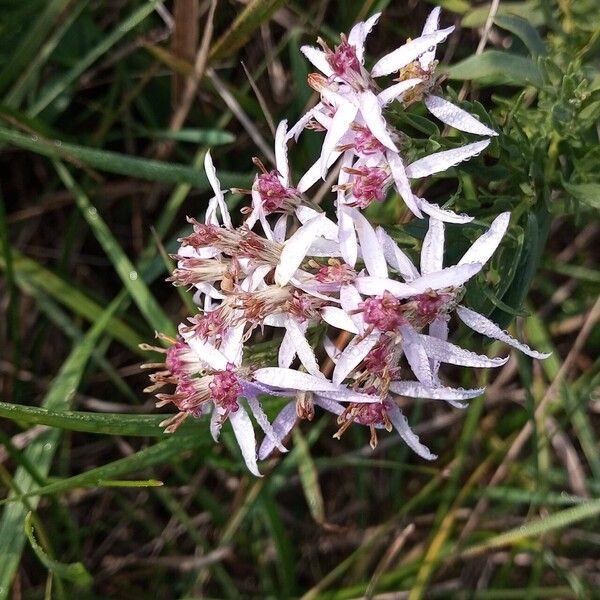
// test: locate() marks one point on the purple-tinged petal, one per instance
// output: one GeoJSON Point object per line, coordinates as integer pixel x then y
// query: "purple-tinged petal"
{"type": "Point", "coordinates": [331, 350]}
{"type": "Point", "coordinates": [318, 59]}
{"type": "Point", "coordinates": [411, 439]}
{"type": "Point", "coordinates": [447, 216]}
{"type": "Point", "coordinates": [438, 329]}
{"type": "Point", "coordinates": [394, 61]}
{"type": "Point", "coordinates": [483, 325]}
{"type": "Point", "coordinates": [295, 249]}
{"type": "Point", "coordinates": [371, 113]}
{"type": "Point", "coordinates": [432, 252]}
{"type": "Point", "coordinates": [352, 356]}
{"type": "Point", "coordinates": [416, 355]}
{"type": "Point", "coordinates": [336, 317]}
{"type": "Point", "coordinates": [396, 91]}
{"type": "Point", "coordinates": [281, 160]}
{"type": "Point", "coordinates": [350, 299]}
{"type": "Point", "coordinates": [402, 185]}
{"type": "Point", "coordinates": [484, 246]}
{"type": "Point", "coordinates": [293, 380]}
{"type": "Point", "coordinates": [456, 117]}
{"type": "Point", "coordinates": [358, 34]}
{"type": "Point", "coordinates": [441, 161]}
{"type": "Point", "coordinates": [280, 229]}
{"type": "Point", "coordinates": [449, 353]}
{"type": "Point", "coordinates": [263, 422]}
{"type": "Point", "coordinates": [414, 389]}
{"type": "Point", "coordinates": [329, 405]}
{"type": "Point", "coordinates": [395, 257]}
{"type": "Point", "coordinates": [244, 434]}
{"type": "Point", "coordinates": [345, 394]}
{"type": "Point", "coordinates": [369, 244]}
{"type": "Point", "coordinates": [282, 425]}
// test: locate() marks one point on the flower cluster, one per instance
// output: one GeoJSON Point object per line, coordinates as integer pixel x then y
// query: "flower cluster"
{"type": "Point", "coordinates": [294, 273]}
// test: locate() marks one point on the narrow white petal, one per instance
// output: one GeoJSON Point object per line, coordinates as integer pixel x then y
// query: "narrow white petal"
{"type": "Point", "coordinates": [396, 91]}
{"type": "Point", "coordinates": [329, 405]}
{"type": "Point", "coordinates": [483, 325]}
{"type": "Point", "coordinates": [336, 317]}
{"type": "Point", "coordinates": [402, 185]}
{"type": "Point", "coordinates": [352, 356]}
{"type": "Point", "coordinates": [433, 210]}
{"type": "Point", "coordinates": [371, 251]}
{"type": "Point", "coordinates": [358, 34]}
{"type": "Point", "coordinates": [347, 236]}
{"type": "Point", "coordinates": [275, 320]}
{"type": "Point", "coordinates": [438, 329]}
{"type": "Point", "coordinates": [244, 434]}
{"type": "Point", "coordinates": [303, 350]}
{"type": "Point", "coordinates": [281, 160]}
{"type": "Point", "coordinates": [431, 24]}
{"type": "Point", "coordinates": [411, 439]}
{"type": "Point", "coordinates": [350, 299]}
{"type": "Point", "coordinates": [432, 253]}
{"type": "Point", "coordinates": [414, 389]}
{"type": "Point", "coordinates": [299, 126]}
{"type": "Point", "coordinates": [441, 161]}
{"type": "Point", "coordinates": [415, 353]}
{"type": "Point", "coordinates": [216, 422]}
{"type": "Point", "coordinates": [207, 353]}
{"type": "Point", "coordinates": [280, 229]}
{"type": "Point", "coordinates": [449, 277]}
{"type": "Point", "coordinates": [211, 174]}
{"type": "Point", "coordinates": [263, 422]}
{"type": "Point", "coordinates": [314, 172]}
{"type": "Point", "coordinates": [484, 246]}
{"type": "Point", "coordinates": [375, 286]}
{"type": "Point", "coordinates": [321, 247]}
{"type": "Point", "coordinates": [449, 353]}
{"type": "Point", "coordinates": [331, 350]}
{"type": "Point", "coordinates": [282, 425]}
{"type": "Point", "coordinates": [295, 249]}
{"type": "Point", "coordinates": [318, 59]}
{"type": "Point", "coordinates": [291, 379]}
{"type": "Point", "coordinates": [340, 124]}
{"type": "Point", "coordinates": [232, 345]}
{"type": "Point", "coordinates": [395, 257]}
{"type": "Point", "coordinates": [329, 230]}
{"type": "Point", "coordinates": [456, 117]}
{"type": "Point", "coordinates": [287, 351]}
{"type": "Point", "coordinates": [371, 113]}
{"type": "Point", "coordinates": [345, 394]}
{"type": "Point", "coordinates": [404, 55]}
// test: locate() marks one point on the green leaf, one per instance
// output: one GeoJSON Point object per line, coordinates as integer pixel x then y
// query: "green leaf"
{"type": "Point", "coordinates": [74, 572]}
{"type": "Point", "coordinates": [493, 67]}
{"type": "Point", "coordinates": [524, 31]}
{"type": "Point", "coordinates": [309, 478]}
{"type": "Point", "coordinates": [527, 10]}
{"type": "Point", "coordinates": [145, 301]}
{"type": "Point", "coordinates": [209, 137]}
{"type": "Point", "coordinates": [588, 193]}
{"type": "Point", "coordinates": [114, 162]}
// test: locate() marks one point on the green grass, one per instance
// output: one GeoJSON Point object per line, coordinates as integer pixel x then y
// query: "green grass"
{"type": "Point", "coordinates": [97, 502]}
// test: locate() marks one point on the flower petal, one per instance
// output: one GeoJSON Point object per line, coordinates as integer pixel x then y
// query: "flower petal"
{"type": "Point", "coordinates": [293, 380]}
{"type": "Point", "coordinates": [340, 124]}
{"type": "Point", "coordinates": [395, 257]}
{"type": "Point", "coordinates": [336, 317]}
{"type": "Point", "coordinates": [287, 351]}
{"type": "Point", "coordinates": [402, 185]}
{"type": "Point", "coordinates": [331, 349]}
{"type": "Point", "coordinates": [281, 160]}
{"type": "Point", "coordinates": [414, 389]}
{"type": "Point", "coordinates": [330, 229]}
{"type": "Point", "coordinates": [456, 117]}
{"type": "Point", "coordinates": [431, 25]}
{"type": "Point", "coordinates": [371, 113]}
{"type": "Point", "coordinates": [415, 353]}
{"type": "Point", "coordinates": [350, 299]}
{"type": "Point", "coordinates": [411, 439]}
{"type": "Point", "coordinates": [441, 161]}
{"type": "Point", "coordinates": [396, 91]}
{"type": "Point", "coordinates": [404, 55]}
{"type": "Point", "coordinates": [314, 172]}
{"type": "Point", "coordinates": [211, 174]}
{"type": "Point", "coordinates": [432, 252]}
{"type": "Point", "coordinates": [317, 57]}
{"type": "Point", "coordinates": [484, 246]}
{"type": "Point", "coordinates": [347, 235]}
{"type": "Point", "coordinates": [483, 325]}
{"type": "Point", "coordinates": [449, 353]}
{"type": "Point", "coordinates": [449, 277]}
{"type": "Point", "coordinates": [442, 214]}
{"type": "Point", "coordinates": [369, 245]}
{"type": "Point", "coordinates": [303, 350]}
{"type": "Point", "coordinates": [352, 355]}
{"type": "Point", "coordinates": [303, 121]}
{"type": "Point", "coordinates": [358, 34]}
{"type": "Point", "coordinates": [329, 405]}
{"type": "Point", "coordinates": [244, 434]}
{"type": "Point", "coordinates": [438, 329]}
{"type": "Point", "coordinates": [295, 249]}
{"type": "Point", "coordinates": [375, 286]}
{"type": "Point", "coordinates": [282, 425]}
{"type": "Point", "coordinates": [263, 422]}
{"type": "Point", "coordinates": [207, 353]}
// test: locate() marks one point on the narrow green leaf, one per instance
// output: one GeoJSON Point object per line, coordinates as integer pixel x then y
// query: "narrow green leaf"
{"type": "Point", "coordinates": [493, 67]}
{"type": "Point", "coordinates": [74, 572]}
{"type": "Point", "coordinates": [309, 478]}
{"type": "Point", "coordinates": [523, 29]}
{"type": "Point", "coordinates": [114, 162]}
{"type": "Point", "coordinates": [134, 284]}
{"type": "Point", "coordinates": [209, 137]}
{"type": "Point", "coordinates": [529, 10]}
{"type": "Point", "coordinates": [588, 193]}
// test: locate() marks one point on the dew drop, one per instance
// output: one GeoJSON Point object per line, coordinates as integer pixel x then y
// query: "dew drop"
{"type": "Point", "coordinates": [48, 446]}
{"type": "Point", "coordinates": [431, 49]}
{"type": "Point", "coordinates": [93, 212]}
{"type": "Point", "coordinates": [34, 138]}
{"type": "Point", "coordinates": [133, 275]}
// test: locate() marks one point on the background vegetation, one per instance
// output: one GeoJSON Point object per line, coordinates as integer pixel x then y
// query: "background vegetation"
{"type": "Point", "coordinates": [106, 111]}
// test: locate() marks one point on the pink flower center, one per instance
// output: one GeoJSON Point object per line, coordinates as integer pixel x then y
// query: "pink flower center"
{"type": "Point", "coordinates": [428, 305]}
{"type": "Point", "coordinates": [225, 389]}
{"type": "Point", "coordinates": [209, 325]}
{"type": "Point", "coordinates": [377, 361]}
{"type": "Point", "coordinates": [369, 186]}
{"type": "Point", "coordinates": [383, 313]}
{"type": "Point", "coordinates": [273, 194]}
{"type": "Point", "coordinates": [366, 143]}
{"type": "Point", "coordinates": [370, 414]}
{"type": "Point", "coordinates": [336, 273]}
{"type": "Point", "coordinates": [344, 60]}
